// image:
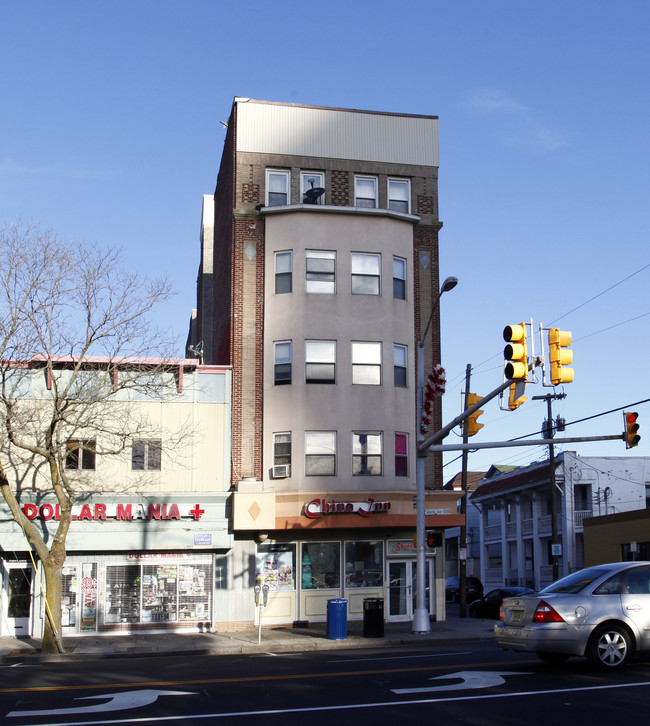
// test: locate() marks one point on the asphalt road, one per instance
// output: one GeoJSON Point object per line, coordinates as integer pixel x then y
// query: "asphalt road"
{"type": "Point", "coordinates": [442, 683]}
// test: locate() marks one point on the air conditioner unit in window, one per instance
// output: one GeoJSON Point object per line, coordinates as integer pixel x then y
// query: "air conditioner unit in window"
{"type": "Point", "coordinates": [281, 471]}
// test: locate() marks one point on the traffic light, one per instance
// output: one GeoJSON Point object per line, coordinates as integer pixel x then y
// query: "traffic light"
{"type": "Point", "coordinates": [516, 352]}
{"type": "Point", "coordinates": [434, 538]}
{"type": "Point", "coordinates": [516, 397]}
{"type": "Point", "coordinates": [560, 356]}
{"type": "Point", "coordinates": [473, 427]}
{"type": "Point", "coordinates": [632, 438]}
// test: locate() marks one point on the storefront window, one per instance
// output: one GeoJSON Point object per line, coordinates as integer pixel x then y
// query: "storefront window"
{"type": "Point", "coordinates": [89, 596]}
{"type": "Point", "coordinates": [122, 604]}
{"type": "Point", "coordinates": [157, 593]}
{"type": "Point", "coordinates": [69, 597]}
{"type": "Point", "coordinates": [321, 565]}
{"type": "Point", "coordinates": [364, 564]}
{"type": "Point", "coordinates": [276, 566]}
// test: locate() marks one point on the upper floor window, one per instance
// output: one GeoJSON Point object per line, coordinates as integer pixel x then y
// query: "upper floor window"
{"type": "Point", "coordinates": [282, 453]}
{"type": "Point", "coordinates": [366, 363]}
{"type": "Point", "coordinates": [320, 361]}
{"type": "Point", "coordinates": [277, 187]}
{"type": "Point", "coordinates": [283, 272]}
{"type": "Point", "coordinates": [399, 195]}
{"type": "Point", "coordinates": [282, 362]}
{"type": "Point", "coordinates": [365, 191]}
{"type": "Point", "coordinates": [399, 365]}
{"type": "Point", "coordinates": [80, 454]}
{"type": "Point", "coordinates": [366, 454]}
{"type": "Point", "coordinates": [320, 453]}
{"type": "Point", "coordinates": [320, 271]}
{"type": "Point", "coordinates": [146, 455]}
{"type": "Point", "coordinates": [401, 454]}
{"type": "Point", "coordinates": [399, 278]}
{"type": "Point", "coordinates": [312, 187]}
{"type": "Point", "coordinates": [366, 271]}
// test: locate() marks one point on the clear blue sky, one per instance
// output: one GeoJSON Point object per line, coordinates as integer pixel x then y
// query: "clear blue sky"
{"type": "Point", "coordinates": [110, 133]}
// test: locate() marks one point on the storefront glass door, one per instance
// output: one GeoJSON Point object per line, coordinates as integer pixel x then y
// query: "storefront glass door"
{"type": "Point", "coordinates": [18, 589]}
{"type": "Point", "coordinates": [402, 588]}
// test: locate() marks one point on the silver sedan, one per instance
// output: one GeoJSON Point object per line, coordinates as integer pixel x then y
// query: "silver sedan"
{"type": "Point", "coordinates": [601, 612]}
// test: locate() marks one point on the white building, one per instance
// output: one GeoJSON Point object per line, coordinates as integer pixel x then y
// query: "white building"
{"type": "Point", "coordinates": [516, 513]}
{"type": "Point", "coordinates": [149, 544]}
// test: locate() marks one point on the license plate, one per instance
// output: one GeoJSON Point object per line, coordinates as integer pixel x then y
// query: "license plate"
{"type": "Point", "coordinates": [516, 616]}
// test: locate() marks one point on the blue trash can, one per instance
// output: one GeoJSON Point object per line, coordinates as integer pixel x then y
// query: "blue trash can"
{"type": "Point", "coordinates": [337, 619]}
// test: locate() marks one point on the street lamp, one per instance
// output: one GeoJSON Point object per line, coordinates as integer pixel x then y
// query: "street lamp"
{"type": "Point", "coordinates": [421, 622]}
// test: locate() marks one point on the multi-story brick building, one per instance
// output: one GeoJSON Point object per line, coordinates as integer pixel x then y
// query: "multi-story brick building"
{"type": "Point", "coordinates": [318, 276]}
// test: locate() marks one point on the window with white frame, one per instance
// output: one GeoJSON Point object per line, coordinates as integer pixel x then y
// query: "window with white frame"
{"type": "Point", "coordinates": [320, 361]}
{"type": "Point", "coordinates": [277, 187]}
{"type": "Point", "coordinates": [364, 564]}
{"type": "Point", "coordinates": [320, 453]}
{"type": "Point", "coordinates": [366, 453]}
{"type": "Point", "coordinates": [366, 364]}
{"type": "Point", "coordinates": [399, 195]}
{"type": "Point", "coordinates": [283, 272]}
{"type": "Point", "coordinates": [321, 565]}
{"type": "Point", "coordinates": [366, 273]}
{"type": "Point", "coordinates": [401, 454]}
{"type": "Point", "coordinates": [282, 362]}
{"type": "Point", "coordinates": [399, 365]}
{"type": "Point", "coordinates": [80, 454]}
{"type": "Point", "coordinates": [320, 271]}
{"type": "Point", "coordinates": [146, 455]}
{"type": "Point", "coordinates": [312, 187]}
{"type": "Point", "coordinates": [282, 448]}
{"type": "Point", "coordinates": [365, 191]}
{"type": "Point", "coordinates": [399, 278]}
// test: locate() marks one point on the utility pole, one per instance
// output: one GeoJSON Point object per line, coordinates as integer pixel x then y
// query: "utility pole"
{"type": "Point", "coordinates": [555, 545]}
{"type": "Point", "coordinates": [462, 541]}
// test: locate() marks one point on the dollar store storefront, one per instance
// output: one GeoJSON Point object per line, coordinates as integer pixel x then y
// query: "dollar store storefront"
{"type": "Point", "coordinates": [134, 564]}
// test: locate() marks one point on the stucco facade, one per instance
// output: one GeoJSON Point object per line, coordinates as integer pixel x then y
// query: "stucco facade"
{"type": "Point", "coordinates": [318, 303]}
{"type": "Point", "coordinates": [151, 528]}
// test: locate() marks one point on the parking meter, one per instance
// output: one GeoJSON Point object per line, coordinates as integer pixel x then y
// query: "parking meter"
{"type": "Point", "coordinates": [265, 594]}
{"type": "Point", "coordinates": [257, 590]}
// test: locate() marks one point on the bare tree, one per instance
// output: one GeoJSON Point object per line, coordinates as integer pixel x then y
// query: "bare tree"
{"type": "Point", "coordinates": [76, 322]}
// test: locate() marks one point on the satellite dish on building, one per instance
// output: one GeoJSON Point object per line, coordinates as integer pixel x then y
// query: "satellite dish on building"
{"type": "Point", "coordinates": [196, 351]}
{"type": "Point", "coordinates": [311, 196]}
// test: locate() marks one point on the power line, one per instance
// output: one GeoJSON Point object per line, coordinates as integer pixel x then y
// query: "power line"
{"type": "Point", "coordinates": [620, 282]}
{"type": "Point", "coordinates": [586, 302]}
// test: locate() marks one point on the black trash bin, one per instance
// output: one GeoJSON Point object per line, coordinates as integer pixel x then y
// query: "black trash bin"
{"type": "Point", "coordinates": [337, 619]}
{"type": "Point", "coordinates": [373, 617]}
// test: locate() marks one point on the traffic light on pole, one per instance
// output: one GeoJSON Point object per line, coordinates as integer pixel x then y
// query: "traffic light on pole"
{"type": "Point", "coordinates": [560, 356]}
{"type": "Point", "coordinates": [434, 538]}
{"type": "Point", "coordinates": [473, 427]}
{"type": "Point", "coordinates": [516, 352]}
{"type": "Point", "coordinates": [516, 397]}
{"type": "Point", "coordinates": [632, 437]}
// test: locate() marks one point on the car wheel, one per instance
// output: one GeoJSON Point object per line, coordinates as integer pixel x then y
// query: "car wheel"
{"type": "Point", "coordinates": [609, 647]}
{"type": "Point", "coordinates": [553, 658]}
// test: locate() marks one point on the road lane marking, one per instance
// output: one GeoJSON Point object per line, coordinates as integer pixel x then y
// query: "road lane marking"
{"type": "Point", "coordinates": [249, 679]}
{"type": "Point", "coordinates": [468, 680]}
{"type": "Point", "coordinates": [351, 706]}
{"type": "Point", "coordinates": [400, 657]}
{"type": "Point", "coordinates": [116, 702]}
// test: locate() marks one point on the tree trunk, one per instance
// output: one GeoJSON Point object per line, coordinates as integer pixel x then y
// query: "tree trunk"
{"type": "Point", "coordinates": [52, 637]}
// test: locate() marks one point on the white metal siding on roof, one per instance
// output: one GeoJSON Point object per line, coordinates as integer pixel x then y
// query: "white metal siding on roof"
{"type": "Point", "coordinates": [266, 128]}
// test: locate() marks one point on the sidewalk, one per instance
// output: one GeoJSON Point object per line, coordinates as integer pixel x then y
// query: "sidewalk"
{"type": "Point", "coordinates": [274, 639]}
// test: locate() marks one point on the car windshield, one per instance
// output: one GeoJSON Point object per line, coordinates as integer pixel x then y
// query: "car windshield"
{"type": "Point", "coordinates": [575, 582]}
